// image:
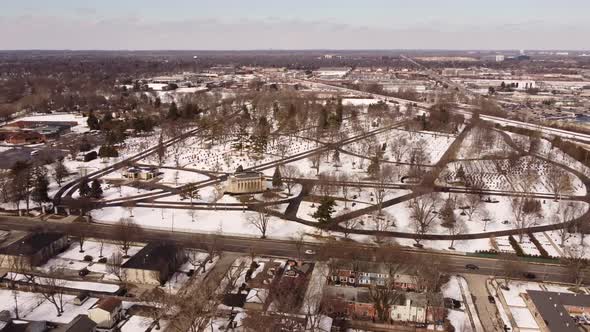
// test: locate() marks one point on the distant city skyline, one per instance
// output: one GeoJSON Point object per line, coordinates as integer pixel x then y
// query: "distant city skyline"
{"type": "Point", "coordinates": [305, 24]}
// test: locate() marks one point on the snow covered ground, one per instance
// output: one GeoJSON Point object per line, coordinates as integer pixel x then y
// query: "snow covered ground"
{"type": "Point", "coordinates": [72, 259]}
{"type": "Point", "coordinates": [206, 221]}
{"type": "Point", "coordinates": [32, 306]}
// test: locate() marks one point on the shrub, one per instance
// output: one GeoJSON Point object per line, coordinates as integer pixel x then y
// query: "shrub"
{"type": "Point", "coordinates": [107, 151]}
{"type": "Point", "coordinates": [102, 260]}
{"type": "Point", "coordinates": [88, 258]}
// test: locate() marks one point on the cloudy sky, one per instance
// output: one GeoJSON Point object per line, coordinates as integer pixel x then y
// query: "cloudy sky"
{"type": "Point", "coordinates": [300, 24]}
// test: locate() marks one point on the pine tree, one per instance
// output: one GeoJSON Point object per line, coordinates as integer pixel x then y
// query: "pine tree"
{"type": "Point", "coordinates": [96, 189]}
{"type": "Point", "coordinates": [325, 210]}
{"type": "Point", "coordinates": [460, 173]}
{"type": "Point", "coordinates": [447, 213]}
{"type": "Point", "coordinates": [158, 102]}
{"type": "Point", "coordinates": [60, 172]}
{"type": "Point", "coordinates": [84, 188]}
{"type": "Point", "coordinates": [93, 122]}
{"type": "Point", "coordinates": [277, 180]}
{"type": "Point", "coordinates": [373, 168]}
{"type": "Point", "coordinates": [240, 169]}
{"type": "Point", "coordinates": [172, 112]}
{"type": "Point", "coordinates": [40, 187]}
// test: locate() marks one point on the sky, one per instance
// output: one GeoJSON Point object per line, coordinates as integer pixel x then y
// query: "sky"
{"type": "Point", "coordinates": [300, 24]}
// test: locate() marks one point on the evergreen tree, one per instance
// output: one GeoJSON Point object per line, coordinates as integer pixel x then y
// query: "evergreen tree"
{"type": "Point", "coordinates": [277, 180]}
{"type": "Point", "coordinates": [106, 120]}
{"type": "Point", "coordinates": [460, 173]}
{"type": "Point", "coordinates": [96, 189]}
{"type": "Point", "coordinates": [173, 112]}
{"type": "Point", "coordinates": [336, 157]}
{"type": "Point", "coordinates": [40, 186]}
{"type": "Point", "coordinates": [60, 172]}
{"type": "Point", "coordinates": [325, 210]}
{"type": "Point", "coordinates": [158, 102]}
{"type": "Point", "coordinates": [84, 188]}
{"type": "Point", "coordinates": [93, 122]}
{"type": "Point", "coordinates": [240, 169]}
{"type": "Point", "coordinates": [447, 213]}
{"type": "Point", "coordinates": [374, 167]}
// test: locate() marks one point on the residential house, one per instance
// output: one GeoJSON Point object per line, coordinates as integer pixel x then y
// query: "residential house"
{"type": "Point", "coordinates": [33, 249]}
{"type": "Point", "coordinates": [153, 264]}
{"type": "Point", "coordinates": [81, 323]}
{"type": "Point", "coordinates": [107, 312]}
{"type": "Point", "coordinates": [416, 308]}
{"type": "Point", "coordinates": [367, 274]}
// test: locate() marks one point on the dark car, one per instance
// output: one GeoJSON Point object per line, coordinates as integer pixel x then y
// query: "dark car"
{"type": "Point", "coordinates": [529, 275]}
{"type": "Point", "coordinates": [472, 267]}
{"type": "Point", "coordinates": [491, 299]}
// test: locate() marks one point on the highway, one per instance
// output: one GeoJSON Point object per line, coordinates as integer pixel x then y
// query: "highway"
{"type": "Point", "coordinates": [455, 263]}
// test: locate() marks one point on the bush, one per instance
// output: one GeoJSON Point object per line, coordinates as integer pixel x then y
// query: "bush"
{"type": "Point", "coordinates": [537, 244]}
{"type": "Point", "coordinates": [516, 246]}
{"type": "Point", "coordinates": [102, 260]}
{"type": "Point", "coordinates": [107, 151]}
{"type": "Point", "coordinates": [88, 258]}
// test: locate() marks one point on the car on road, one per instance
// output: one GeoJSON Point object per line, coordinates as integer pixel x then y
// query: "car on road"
{"type": "Point", "coordinates": [529, 275]}
{"type": "Point", "coordinates": [471, 267]}
{"type": "Point", "coordinates": [309, 252]}
{"type": "Point", "coordinates": [491, 299]}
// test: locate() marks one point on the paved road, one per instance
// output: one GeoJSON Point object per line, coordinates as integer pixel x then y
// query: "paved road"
{"type": "Point", "coordinates": [488, 312]}
{"type": "Point", "coordinates": [274, 247]}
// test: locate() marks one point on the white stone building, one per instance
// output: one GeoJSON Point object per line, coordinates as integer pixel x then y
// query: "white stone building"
{"type": "Point", "coordinates": [245, 183]}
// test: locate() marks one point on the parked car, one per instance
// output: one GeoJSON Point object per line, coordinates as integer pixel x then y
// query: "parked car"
{"type": "Point", "coordinates": [471, 267]}
{"type": "Point", "coordinates": [309, 252]}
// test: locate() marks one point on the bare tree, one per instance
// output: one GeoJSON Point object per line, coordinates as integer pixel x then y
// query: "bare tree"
{"type": "Point", "coordinates": [558, 180]}
{"type": "Point", "coordinates": [290, 173]}
{"type": "Point", "coordinates": [456, 228]}
{"type": "Point", "coordinates": [124, 232]}
{"type": "Point", "coordinates": [511, 267]}
{"type": "Point", "coordinates": [350, 224]}
{"type": "Point", "coordinates": [567, 211]}
{"type": "Point", "coordinates": [260, 219]}
{"type": "Point", "coordinates": [52, 287]}
{"type": "Point", "coordinates": [384, 177]}
{"type": "Point", "coordinates": [423, 214]}
{"type": "Point", "coordinates": [575, 260]}
{"type": "Point", "coordinates": [114, 265]}
{"type": "Point", "coordinates": [473, 202]}
{"type": "Point", "coordinates": [195, 311]}
{"type": "Point", "coordinates": [524, 210]}
{"type": "Point", "coordinates": [383, 296]}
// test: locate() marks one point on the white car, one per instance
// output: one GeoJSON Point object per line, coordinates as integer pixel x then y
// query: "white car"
{"type": "Point", "coordinates": [309, 252]}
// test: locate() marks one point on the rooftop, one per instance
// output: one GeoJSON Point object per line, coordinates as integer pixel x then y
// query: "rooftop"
{"type": "Point", "coordinates": [551, 307]}
{"type": "Point", "coordinates": [108, 304]}
{"type": "Point", "coordinates": [30, 244]}
{"type": "Point", "coordinates": [152, 257]}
